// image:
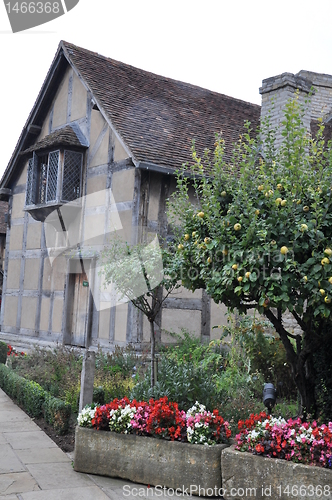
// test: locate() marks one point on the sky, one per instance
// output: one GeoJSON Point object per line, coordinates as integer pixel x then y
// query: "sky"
{"type": "Point", "coordinates": [222, 45]}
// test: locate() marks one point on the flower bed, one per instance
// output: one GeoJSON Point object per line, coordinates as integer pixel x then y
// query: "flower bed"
{"type": "Point", "coordinates": [278, 459]}
{"type": "Point", "coordinates": [292, 440]}
{"type": "Point", "coordinates": [160, 418]}
{"type": "Point", "coordinates": [152, 443]}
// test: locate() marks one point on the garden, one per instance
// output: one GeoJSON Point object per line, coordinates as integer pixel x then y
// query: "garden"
{"type": "Point", "coordinates": [258, 239]}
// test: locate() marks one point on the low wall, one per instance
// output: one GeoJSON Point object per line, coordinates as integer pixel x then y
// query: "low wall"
{"type": "Point", "coordinates": [245, 475]}
{"type": "Point", "coordinates": [148, 460]}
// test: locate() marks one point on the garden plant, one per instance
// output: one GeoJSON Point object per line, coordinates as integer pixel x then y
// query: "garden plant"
{"type": "Point", "coordinates": [259, 235]}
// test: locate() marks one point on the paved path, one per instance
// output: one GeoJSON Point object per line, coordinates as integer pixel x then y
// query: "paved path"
{"type": "Point", "coordinates": [32, 467]}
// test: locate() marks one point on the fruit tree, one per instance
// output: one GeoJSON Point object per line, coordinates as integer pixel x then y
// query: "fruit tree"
{"type": "Point", "coordinates": [258, 234]}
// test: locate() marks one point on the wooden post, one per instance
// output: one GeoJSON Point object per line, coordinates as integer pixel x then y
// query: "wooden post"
{"type": "Point", "coordinates": [87, 379]}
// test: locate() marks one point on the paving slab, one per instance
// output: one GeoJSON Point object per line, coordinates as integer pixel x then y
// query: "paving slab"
{"type": "Point", "coordinates": [8, 497]}
{"type": "Point", "coordinates": [14, 414]}
{"type": "Point", "coordinates": [51, 476]}
{"type": "Point", "coordinates": [87, 493]}
{"type": "Point", "coordinates": [18, 425]}
{"type": "Point", "coordinates": [17, 482]}
{"type": "Point", "coordinates": [9, 461]}
{"type": "Point", "coordinates": [42, 456]}
{"type": "Point", "coordinates": [29, 439]}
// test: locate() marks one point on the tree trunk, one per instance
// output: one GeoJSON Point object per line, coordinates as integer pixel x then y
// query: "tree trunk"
{"type": "Point", "coordinates": [304, 379]}
{"type": "Point", "coordinates": [302, 367]}
{"type": "Point", "coordinates": [153, 344]}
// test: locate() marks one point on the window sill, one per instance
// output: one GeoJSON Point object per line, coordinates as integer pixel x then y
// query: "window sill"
{"type": "Point", "coordinates": [41, 211]}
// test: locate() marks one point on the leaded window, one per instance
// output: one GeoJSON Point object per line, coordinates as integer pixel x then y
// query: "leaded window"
{"type": "Point", "coordinates": [54, 177]}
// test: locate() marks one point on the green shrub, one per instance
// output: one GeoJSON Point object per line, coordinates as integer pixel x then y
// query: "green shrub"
{"type": "Point", "coordinates": [35, 400]}
{"type": "Point", "coordinates": [3, 352]}
{"type": "Point", "coordinates": [57, 413]}
{"type": "Point", "coordinates": [27, 393]}
{"type": "Point", "coordinates": [184, 383]}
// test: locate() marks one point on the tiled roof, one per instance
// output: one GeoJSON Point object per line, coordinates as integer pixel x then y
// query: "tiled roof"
{"type": "Point", "coordinates": [66, 136]}
{"type": "Point", "coordinates": [158, 117]}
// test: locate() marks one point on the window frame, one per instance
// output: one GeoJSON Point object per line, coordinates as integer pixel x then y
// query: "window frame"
{"type": "Point", "coordinates": [34, 176]}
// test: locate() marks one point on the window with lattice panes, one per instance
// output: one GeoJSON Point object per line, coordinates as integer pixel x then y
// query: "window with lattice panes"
{"type": "Point", "coordinates": [54, 177]}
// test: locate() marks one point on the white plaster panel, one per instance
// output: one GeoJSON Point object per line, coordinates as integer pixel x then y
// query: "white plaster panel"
{"type": "Point", "coordinates": [104, 321]}
{"type": "Point", "coordinates": [44, 313]}
{"type": "Point", "coordinates": [121, 322]}
{"type": "Point", "coordinates": [16, 237]}
{"type": "Point", "coordinates": [13, 274]}
{"type": "Point", "coordinates": [97, 124]}
{"type": "Point", "coordinates": [28, 316]}
{"type": "Point", "coordinates": [79, 99]}
{"type": "Point", "coordinates": [101, 155]}
{"type": "Point", "coordinates": [123, 185]}
{"type": "Point", "coordinates": [95, 184]}
{"type": "Point", "coordinates": [119, 151]}
{"type": "Point", "coordinates": [31, 274]}
{"type": "Point", "coordinates": [57, 315]}
{"type": "Point", "coordinates": [173, 320]}
{"type": "Point", "coordinates": [94, 229]}
{"type": "Point", "coordinates": [10, 315]}
{"type": "Point", "coordinates": [218, 318]}
{"type": "Point", "coordinates": [47, 275]}
{"type": "Point", "coordinates": [60, 103]}
{"type": "Point", "coordinates": [33, 236]}
{"type": "Point", "coordinates": [22, 177]}
{"type": "Point", "coordinates": [18, 205]}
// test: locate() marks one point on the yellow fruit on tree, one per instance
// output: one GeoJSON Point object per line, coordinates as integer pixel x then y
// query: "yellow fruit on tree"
{"type": "Point", "coordinates": [306, 208]}
{"type": "Point", "coordinates": [322, 291]}
{"type": "Point", "coordinates": [200, 214]}
{"type": "Point", "coordinates": [260, 188]}
{"type": "Point", "coordinates": [305, 278]}
{"type": "Point", "coordinates": [209, 260]}
{"type": "Point", "coordinates": [279, 186]}
{"type": "Point", "coordinates": [327, 300]}
{"type": "Point", "coordinates": [283, 250]}
{"type": "Point", "coordinates": [180, 247]}
{"type": "Point", "coordinates": [240, 278]}
{"type": "Point", "coordinates": [304, 227]}
{"type": "Point", "coordinates": [278, 201]}
{"type": "Point", "coordinates": [207, 240]}
{"type": "Point", "coordinates": [237, 226]}
{"type": "Point", "coordinates": [223, 193]}
{"type": "Point", "coordinates": [257, 212]}
{"type": "Point", "coordinates": [247, 274]}
{"type": "Point", "coordinates": [234, 266]}
{"type": "Point", "coordinates": [186, 237]}
{"type": "Point", "coordinates": [328, 252]}
{"type": "Point", "coordinates": [283, 203]}
{"type": "Point", "coordinates": [193, 234]}
{"type": "Point", "coordinates": [330, 280]}
{"type": "Point", "coordinates": [325, 261]}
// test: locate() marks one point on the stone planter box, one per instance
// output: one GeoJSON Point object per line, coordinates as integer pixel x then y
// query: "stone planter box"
{"type": "Point", "coordinates": [148, 460]}
{"type": "Point", "coordinates": [249, 476]}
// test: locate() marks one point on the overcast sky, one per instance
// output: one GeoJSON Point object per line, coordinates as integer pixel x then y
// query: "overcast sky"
{"type": "Point", "coordinates": [226, 46]}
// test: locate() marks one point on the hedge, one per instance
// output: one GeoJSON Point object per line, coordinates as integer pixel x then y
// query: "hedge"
{"type": "Point", "coordinates": [35, 400]}
{"type": "Point", "coordinates": [3, 352]}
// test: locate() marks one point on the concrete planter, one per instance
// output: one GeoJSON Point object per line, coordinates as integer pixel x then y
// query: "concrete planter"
{"type": "Point", "coordinates": [249, 476]}
{"type": "Point", "coordinates": [148, 460]}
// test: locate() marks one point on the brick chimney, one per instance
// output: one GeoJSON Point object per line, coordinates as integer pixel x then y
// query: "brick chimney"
{"type": "Point", "coordinates": [277, 90]}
